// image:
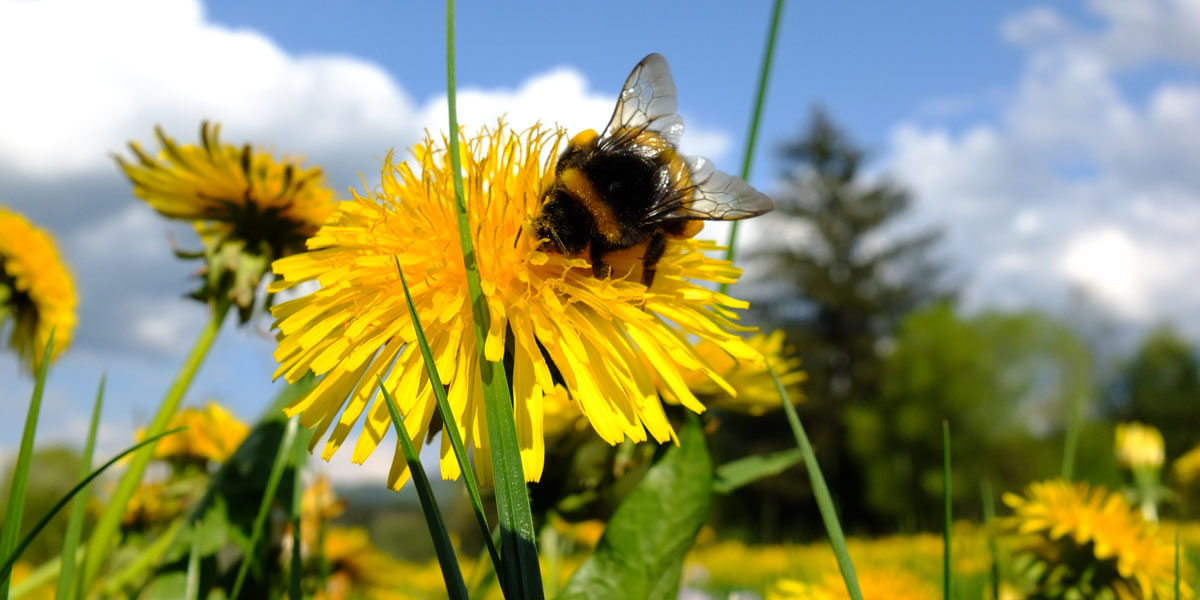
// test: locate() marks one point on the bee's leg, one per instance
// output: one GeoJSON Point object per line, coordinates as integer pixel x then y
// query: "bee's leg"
{"type": "Point", "coordinates": [654, 251]}
{"type": "Point", "coordinates": [600, 269]}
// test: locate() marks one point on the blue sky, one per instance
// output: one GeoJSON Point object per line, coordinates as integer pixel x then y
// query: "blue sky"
{"type": "Point", "coordinates": [1053, 142]}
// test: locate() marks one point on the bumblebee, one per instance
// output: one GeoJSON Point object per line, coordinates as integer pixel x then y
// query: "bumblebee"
{"type": "Point", "coordinates": [630, 184]}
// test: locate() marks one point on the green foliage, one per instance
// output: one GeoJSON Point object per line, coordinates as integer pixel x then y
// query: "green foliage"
{"type": "Point", "coordinates": [1162, 383]}
{"type": "Point", "coordinates": [733, 475]}
{"type": "Point", "coordinates": [641, 552]}
{"type": "Point", "coordinates": [994, 377]}
{"type": "Point", "coordinates": [838, 287]}
{"type": "Point", "coordinates": [57, 469]}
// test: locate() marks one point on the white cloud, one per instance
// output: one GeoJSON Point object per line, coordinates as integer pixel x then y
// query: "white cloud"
{"type": "Point", "coordinates": [1076, 182]}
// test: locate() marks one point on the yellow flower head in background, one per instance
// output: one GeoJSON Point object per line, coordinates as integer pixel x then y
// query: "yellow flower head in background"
{"type": "Point", "coordinates": [756, 392]}
{"type": "Point", "coordinates": [248, 207]}
{"type": "Point", "coordinates": [36, 291]}
{"type": "Point", "coordinates": [875, 583]}
{"type": "Point", "coordinates": [1139, 446]}
{"type": "Point", "coordinates": [546, 310]}
{"type": "Point", "coordinates": [1186, 468]}
{"type": "Point", "coordinates": [212, 434]}
{"type": "Point", "coordinates": [1057, 522]}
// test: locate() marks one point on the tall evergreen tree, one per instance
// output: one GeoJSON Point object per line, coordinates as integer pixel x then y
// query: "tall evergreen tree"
{"type": "Point", "coordinates": [838, 280]}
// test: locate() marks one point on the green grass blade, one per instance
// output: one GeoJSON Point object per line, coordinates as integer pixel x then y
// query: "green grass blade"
{"type": "Point", "coordinates": [821, 491]}
{"type": "Point", "coordinates": [104, 536]}
{"type": "Point", "coordinates": [989, 516]}
{"type": "Point", "coordinates": [20, 480]}
{"type": "Point", "coordinates": [522, 575]}
{"type": "Point", "coordinates": [296, 572]}
{"type": "Point", "coordinates": [191, 590]}
{"type": "Point", "coordinates": [66, 576]}
{"type": "Point", "coordinates": [1071, 444]}
{"type": "Point", "coordinates": [12, 557]}
{"type": "Point", "coordinates": [764, 74]}
{"type": "Point", "coordinates": [451, 426]}
{"type": "Point", "coordinates": [433, 517]}
{"type": "Point", "coordinates": [264, 508]}
{"type": "Point", "coordinates": [948, 521]}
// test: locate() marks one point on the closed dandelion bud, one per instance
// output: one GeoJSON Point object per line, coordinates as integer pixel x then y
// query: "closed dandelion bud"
{"type": "Point", "coordinates": [1139, 446]}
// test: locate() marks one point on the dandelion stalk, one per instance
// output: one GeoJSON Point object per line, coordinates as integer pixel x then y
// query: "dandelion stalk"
{"type": "Point", "coordinates": [104, 535]}
{"type": "Point", "coordinates": [821, 491]}
{"type": "Point", "coordinates": [522, 574]}
{"type": "Point", "coordinates": [764, 75]}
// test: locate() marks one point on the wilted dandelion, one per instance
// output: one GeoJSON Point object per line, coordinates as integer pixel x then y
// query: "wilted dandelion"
{"type": "Point", "coordinates": [548, 312]}
{"type": "Point", "coordinates": [248, 208]}
{"type": "Point", "coordinates": [1087, 541]}
{"type": "Point", "coordinates": [37, 294]}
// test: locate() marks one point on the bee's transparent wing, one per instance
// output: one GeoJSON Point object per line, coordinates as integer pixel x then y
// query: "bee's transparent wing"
{"type": "Point", "coordinates": [647, 102]}
{"type": "Point", "coordinates": [712, 196]}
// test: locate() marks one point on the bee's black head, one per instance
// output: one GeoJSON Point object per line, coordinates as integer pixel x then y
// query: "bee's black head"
{"type": "Point", "coordinates": [563, 226]}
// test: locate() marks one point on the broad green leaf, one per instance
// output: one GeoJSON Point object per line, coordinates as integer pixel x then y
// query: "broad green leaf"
{"type": "Point", "coordinates": [733, 475]}
{"type": "Point", "coordinates": [641, 552]}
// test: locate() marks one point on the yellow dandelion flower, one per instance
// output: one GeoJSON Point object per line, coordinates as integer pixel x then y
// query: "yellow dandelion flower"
{"type": "Point", "coordinates": [1186, 468]}
{"type": "Point", "coordinates": [212, 434]}
{"type": "Point", "coordinates": [36, 291]}
{"type": "Point", "coordinates": [1139, 446]}
{"type": "Point", "coordinates": [548, 312]}
{"type": "Point", "coordinates": [248, 207]}
{"type": "Point", "coordinates": [357, 569]}
{"type": "Point", "coordinates": [875, 583]}
{"type": "Point", "coordinates": [1090, 540]}
{"type": "Point", "coordinates": [756, 393]}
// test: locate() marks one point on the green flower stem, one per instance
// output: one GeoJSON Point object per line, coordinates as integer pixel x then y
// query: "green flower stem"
{"type": "Point", "coordinates": [105, 534]}
{"type": "Point", "coordinates": [989, 516]}
{"type": "Point", "coordinates": [821, 491]}
{"type": "Point", "coordinates": [522, 575]}
{"type": "Point", "coordinates": [20, 478]}
{"type": "Point", "coordinates": [948, 522]}
{"type": "Point", "coordinates": [760, 95]}
{"type": "Point", "coordinates": [1071, 444]}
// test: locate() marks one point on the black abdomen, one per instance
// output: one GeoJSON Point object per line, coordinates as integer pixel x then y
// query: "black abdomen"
{"type": "Point", "coordinates": [627, 182]}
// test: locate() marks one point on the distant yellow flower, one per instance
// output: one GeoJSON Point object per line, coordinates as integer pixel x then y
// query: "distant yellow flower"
{"type": "Point", "coordinates": [876, 584]}
{"type": "Point", "coordinates": [546, 309]}
{"type": "Point", "coordinates": [560, 414]}
{"type": "Point", "coordinates": [1090, 540]}
{"type": "Point", "coordinates": [248, 208]}
{"type": "Point", "coordinates": [212, 434]}
{"type": "Point", "coordinates": [153, 503]}
{"type": "Point", "coordinates": [756, 392]}
{"type": "Point", "coordinates": [1139, 446]}
{"type": "Point", "coordinates": [357, 569]}
{"type": "Point", "coordinates": [36, 290]}
{"type": "Point", "coordinates": [1187, 467]}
